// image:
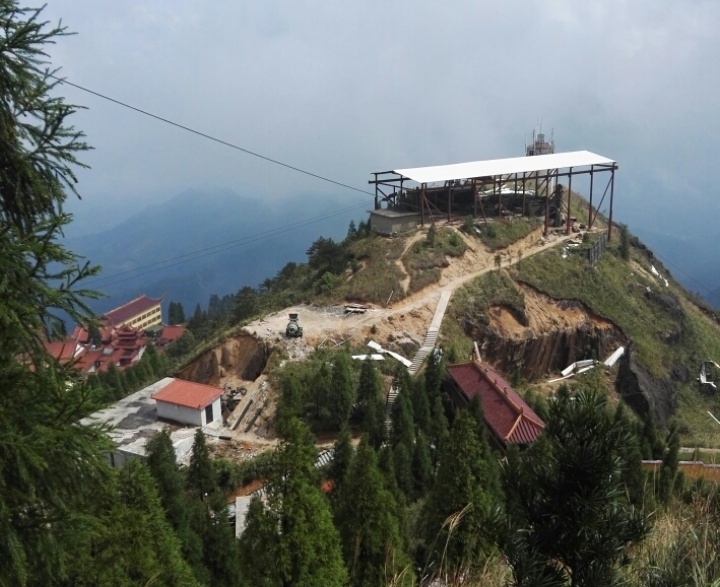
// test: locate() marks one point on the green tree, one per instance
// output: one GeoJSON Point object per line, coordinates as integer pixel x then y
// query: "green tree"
{"type": "Point", "coordinates": [342, 394]}
{"type": "Point", "coordinates": [176, 313]}
{"type": "Point", "coordinates": [371, 404]}
{"type": "Point", "coordinates": [421, 407]}
{"type": "Point", "coordinates": [247, 303]}
{"type": "Point", "coordinates": [343, 453]}
{"type": "Point", "coordinates": [182, 345]}
{"type": "Point", "coordinates": [433, 375]}
{"type": "Point", "coordinates": [371, 537]}
{"type": "Point", "coordinates": [137, 545]}
{"type": "Point", "coordinates": [570, 517]}
{"type": "Point", "coordinates": [458, 512]}
{"type": "Point", "coordinates": [422, 468]}
{"type": "Point", "coordinates": [201, 481]}
{"type": "Point", "coordinates": [51, 468]}
{"type": "Point", "coordinates": [295, 531]}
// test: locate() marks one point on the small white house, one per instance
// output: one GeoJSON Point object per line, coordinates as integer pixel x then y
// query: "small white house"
{"type": "Point", "coordinates": [187, 402]}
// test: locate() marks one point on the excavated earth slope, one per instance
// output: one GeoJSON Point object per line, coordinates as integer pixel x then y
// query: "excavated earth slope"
{"type": "Point", "coordinates": [550, 335]}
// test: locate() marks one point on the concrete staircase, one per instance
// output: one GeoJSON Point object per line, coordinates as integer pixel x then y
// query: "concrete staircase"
{"type": "Point", "coordinates": [427, 347]}
{"type": "Point", "coordinates": [432, 333]}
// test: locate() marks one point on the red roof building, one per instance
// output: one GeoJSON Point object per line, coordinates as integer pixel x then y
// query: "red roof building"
{"type": "Point", "coordinates": [507, 415]}
{"type": "Point", "coordinates": [141, 312]}
{"type": "Point", "coordinates": [188, 402]}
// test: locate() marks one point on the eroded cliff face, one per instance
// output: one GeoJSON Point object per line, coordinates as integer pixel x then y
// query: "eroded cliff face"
{"type": "Point", "coordinates": [643, 392]}
{"type": "Point", "coordinates": [243, 356]}
{"type": "Point", "coordinates": [546, 337]}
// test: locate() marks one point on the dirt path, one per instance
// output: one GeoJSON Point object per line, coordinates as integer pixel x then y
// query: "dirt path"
{"type": "Point", "coordinates": [405, 283]}
{"type": "Point", "coordinates": [409, 317]}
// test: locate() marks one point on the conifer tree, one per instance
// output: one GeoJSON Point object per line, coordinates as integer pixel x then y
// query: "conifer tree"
{"type": "Point", "coordinates": [135, 545]}
{"type": "Point", "coordinates": [439, 427]}
{"type": "Point", "coordinates": [371, 404]}
{"type": "Point", "coordinates": [342, 458]}
{"type": "Point", "coordinates": [433, 374]}
{"type": "Point", "coordinates": [372, 542]}
{"type": "Point", "coordinates": [201, 480]}
{"type": "Point", "coordinates": [421, 407]}
{"type": "Point", "coordinates": [51, 469]}
{"type": "Point", "coordinates": [403, 426]}
{"type": "Point", "coordinates": [295, 530]}
{"type": "Point", "coordinates": [571, 517]}
{"type": "Point", "coordinates": [459, 507]}
{"type": "Point", "coordinates": [422, 469]}
{"type": "Point", "coordinates": [342, 394]}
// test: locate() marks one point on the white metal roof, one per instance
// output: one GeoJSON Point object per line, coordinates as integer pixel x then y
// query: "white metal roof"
{"type": "Point", "coordinates": [495, 167]}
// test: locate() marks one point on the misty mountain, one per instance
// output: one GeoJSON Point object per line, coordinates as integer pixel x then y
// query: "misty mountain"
{"type": "Point", "coordinates": [208, 241]}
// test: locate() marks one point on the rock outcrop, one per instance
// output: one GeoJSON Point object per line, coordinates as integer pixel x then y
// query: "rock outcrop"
{"type": "Point", "coordinates": [643, 392]}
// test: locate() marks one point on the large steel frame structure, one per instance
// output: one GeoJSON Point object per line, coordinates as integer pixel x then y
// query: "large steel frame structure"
{"type": "Point", "coordinates": [419, 188]}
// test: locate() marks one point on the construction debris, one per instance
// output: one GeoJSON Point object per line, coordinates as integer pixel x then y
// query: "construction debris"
{"type": "Point", "coordinates": [355, 309]}
{"type": "Point", "coordinates": [373, 357]}
{"type": "Point", "coordinates": [706, 373]}
{"type": "Point", "coordinates": [613, 358]}
{"type": "Point", "coordinates": [375, 346]}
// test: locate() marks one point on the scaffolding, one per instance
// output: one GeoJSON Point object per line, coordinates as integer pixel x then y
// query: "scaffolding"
{"type": "Point", "coordinates": [495, 187]}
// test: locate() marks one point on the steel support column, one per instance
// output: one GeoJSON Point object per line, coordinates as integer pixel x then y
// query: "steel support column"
{"type": "Point", "coordinates": [567, 227]}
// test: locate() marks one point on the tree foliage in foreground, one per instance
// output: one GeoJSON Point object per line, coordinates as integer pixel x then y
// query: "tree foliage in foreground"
{"type": "Point", "coordinates": [569, 514]}
{"type": "Point", "coordinates": [292, 540]}
{"type": "Point", "coordinates": [50, 467]}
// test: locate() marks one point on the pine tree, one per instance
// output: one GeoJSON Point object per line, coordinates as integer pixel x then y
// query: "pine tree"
{"type": "Point", "coordinates": [403, 426]}
{"type": "Point", "coordinates": [137, 519]}
{"type": "Point", "coordinates": [422, 468]}
{"type": "Point", "coordinates": [342, 394]}
{"type": "Point", "coordinates": [295, 530]}
{"type": "Point", "coordinates": [439, 428]}
{"type": "Point", "coordinates": [200, 480]}
{"type": "Point", "coordinates": [343, 454]}
{"type": "Point", "coordinates": [433, 375]}
{"type": "Point", "coordinates": [571, 517]}
{"type": "Point", "coordinates": [51, 469]}
{"type": "Point", "coordinates": [371, 404]}
{"type": "Point", "coordinates": [421, 407]}
{"type": "Point", "coordinates": [458, 509]}
{"type": "Point", "coordinates": [372, 542]}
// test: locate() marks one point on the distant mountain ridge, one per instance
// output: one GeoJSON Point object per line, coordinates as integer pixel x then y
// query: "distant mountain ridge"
{"type": "Point", "coordinates": [207, 241]}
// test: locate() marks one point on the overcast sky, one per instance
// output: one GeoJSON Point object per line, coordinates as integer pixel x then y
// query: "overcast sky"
{"type": "Point", "coordinates": [347, 88]}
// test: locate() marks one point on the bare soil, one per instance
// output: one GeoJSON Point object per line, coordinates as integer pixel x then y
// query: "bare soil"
{"type": "Point", "coordinates": [332, 326]}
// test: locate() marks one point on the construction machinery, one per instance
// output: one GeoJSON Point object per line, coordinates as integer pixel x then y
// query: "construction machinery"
{"type": "Point", "coordinates": [293, 329]}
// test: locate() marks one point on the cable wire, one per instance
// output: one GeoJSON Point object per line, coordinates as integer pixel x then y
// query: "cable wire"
{"type": "Point", "coordinates": [207, 136]}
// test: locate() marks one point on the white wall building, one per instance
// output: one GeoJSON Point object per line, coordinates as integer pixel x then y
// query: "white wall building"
{"type": "Point", "coordinates": [189, 403]}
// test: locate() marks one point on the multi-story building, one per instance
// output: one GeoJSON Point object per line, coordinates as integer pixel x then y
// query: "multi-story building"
{"type": "Point", "coordinates": [140, 313]}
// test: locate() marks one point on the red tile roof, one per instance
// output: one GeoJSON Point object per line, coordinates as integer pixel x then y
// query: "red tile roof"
{"type": "Point", "coordinates": [188, 394]}
{"type": "Point", "coordinates": [126, 311]}
{"type": "Point", "coordinates": [63, 351]}
{"type": "Point", "coordinates": [507, 415]}
{"type": "Point", "coordinates": [171, 333]}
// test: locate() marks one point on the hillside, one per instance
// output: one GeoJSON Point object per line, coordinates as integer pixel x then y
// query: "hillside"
{"type": "Point", "coordinates": [533, 305]}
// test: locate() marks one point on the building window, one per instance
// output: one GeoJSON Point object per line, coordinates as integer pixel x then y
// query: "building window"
{"type": "Point", "coordinates": [209, 414]}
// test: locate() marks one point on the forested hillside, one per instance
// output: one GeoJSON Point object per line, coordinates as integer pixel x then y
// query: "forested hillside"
{"type": "Point", "coordinates": [417, 492]}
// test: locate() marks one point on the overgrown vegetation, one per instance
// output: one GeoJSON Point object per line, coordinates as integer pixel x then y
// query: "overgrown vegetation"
{"type": "Point", "coordinates": [427, 257]}
{"type": "Point", "coordinates": [471, 302]}
{"type": "Point", "coordinates": [499, 233]}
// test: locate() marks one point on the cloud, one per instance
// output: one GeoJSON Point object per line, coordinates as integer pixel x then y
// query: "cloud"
{"type": "Point", "coordinates": [344, 89]}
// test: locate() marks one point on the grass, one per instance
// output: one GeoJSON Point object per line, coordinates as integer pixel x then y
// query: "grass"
{"type": "Point", "coordinates": [499, 233]}
{"type": "Point", "coordinates": [427, 257]}
{"type": "Point", "coordinates": [472, 302]}
{"type": "Point", "coordinates": [378, 274]}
